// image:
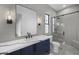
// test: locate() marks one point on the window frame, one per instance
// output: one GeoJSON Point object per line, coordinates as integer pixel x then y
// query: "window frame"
{"type": "Point", "coordinates": [46, 24]}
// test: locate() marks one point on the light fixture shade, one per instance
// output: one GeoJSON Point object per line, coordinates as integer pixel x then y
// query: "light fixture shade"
{"type": "Point", "coordinates": [39, 20]}
{"type": "Point", "coordinates": [9, 17]}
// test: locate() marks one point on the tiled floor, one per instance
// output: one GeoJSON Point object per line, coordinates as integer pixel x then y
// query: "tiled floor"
{"type": "Point", "coordinates": [65, 50]}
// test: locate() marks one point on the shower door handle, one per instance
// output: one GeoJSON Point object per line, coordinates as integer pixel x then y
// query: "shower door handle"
{"type": "Point", "coordinates": [63, 33]}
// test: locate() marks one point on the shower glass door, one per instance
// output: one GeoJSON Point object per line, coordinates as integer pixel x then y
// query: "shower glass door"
{"type": "Point", "coordinates": [57, 29]}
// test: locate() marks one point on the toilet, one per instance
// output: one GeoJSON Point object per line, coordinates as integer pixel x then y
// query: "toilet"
{"type": "Point", "coordinates": [56, 46]}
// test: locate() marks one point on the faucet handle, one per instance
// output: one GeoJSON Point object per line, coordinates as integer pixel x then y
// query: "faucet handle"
{"type": "Point", "coordinates": [28, 35]}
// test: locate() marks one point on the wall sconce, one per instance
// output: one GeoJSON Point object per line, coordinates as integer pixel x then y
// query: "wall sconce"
{"type": "Point", "coordinates": [9, 19]}
{"type": "Point", "coordinates": [39, 20]}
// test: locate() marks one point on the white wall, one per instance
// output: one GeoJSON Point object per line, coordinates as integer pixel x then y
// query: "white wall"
{"type": "Point", "coordinates": [41, 10]}
{"type": "Point", "coordinates": [71, 23]}
{"type": "Point", "coordinates": [7, 31]}
{"type": "Point", "coordinates": [27, 20]}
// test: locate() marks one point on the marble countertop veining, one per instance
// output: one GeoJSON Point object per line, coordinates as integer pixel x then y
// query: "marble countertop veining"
{"type": "Point", "coordinates": [11, 46]}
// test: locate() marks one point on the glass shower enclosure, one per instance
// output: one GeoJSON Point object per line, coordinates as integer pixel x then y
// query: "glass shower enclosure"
{"type": "Point", "coordinates": [57, 29]}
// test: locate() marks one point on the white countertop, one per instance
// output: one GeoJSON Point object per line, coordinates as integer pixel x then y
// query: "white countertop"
{"type": "Point", "coordinates": [11, 46]}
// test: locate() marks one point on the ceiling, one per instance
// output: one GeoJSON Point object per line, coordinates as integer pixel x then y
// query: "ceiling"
{"type": "Point", "coordinates": [58, 7]}
{"type": "Point", "coordinates": [43, 7]}
{"type": "Point", "coordinates": [40, 8]}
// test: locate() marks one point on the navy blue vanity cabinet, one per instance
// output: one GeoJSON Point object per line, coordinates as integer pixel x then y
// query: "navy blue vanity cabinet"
{"type": "Point", "coordinates": [27, 50]}
{"type": "Point", "coordinates": [24, 51]}
{"type": "Point", "coordinates": [17, 52]}
{"type": "Point", "coordinates": [42, 47]}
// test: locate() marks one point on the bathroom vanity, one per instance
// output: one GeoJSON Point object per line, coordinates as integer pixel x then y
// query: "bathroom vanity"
{"type": "Point", "coordinates": [38, 45]}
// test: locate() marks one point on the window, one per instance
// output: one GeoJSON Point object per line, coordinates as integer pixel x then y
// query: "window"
{"type": "Point", "coordinates": [46, 22]}
{"type": "Point", "coordinates": [53, 23]}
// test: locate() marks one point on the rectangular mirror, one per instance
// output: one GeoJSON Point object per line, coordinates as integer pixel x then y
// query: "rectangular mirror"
{"type": "Point", "coordinates": [25, 21]}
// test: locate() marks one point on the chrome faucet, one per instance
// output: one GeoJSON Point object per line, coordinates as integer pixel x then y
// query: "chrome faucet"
{"type": "Point", "coordinates": [28, 35]}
